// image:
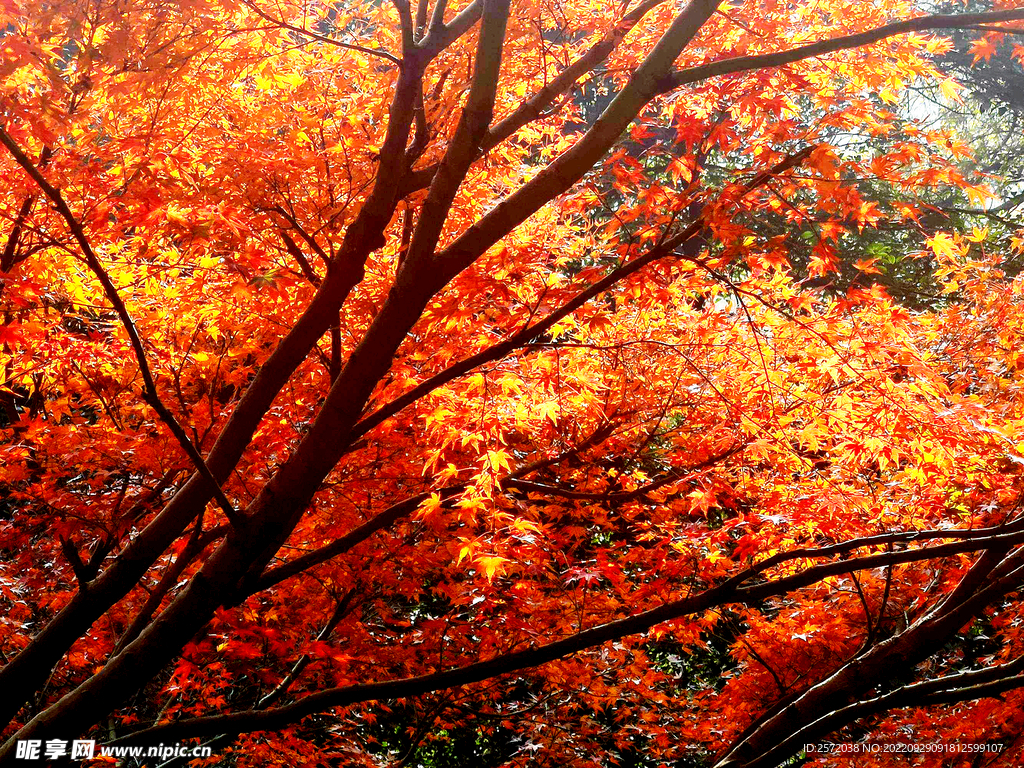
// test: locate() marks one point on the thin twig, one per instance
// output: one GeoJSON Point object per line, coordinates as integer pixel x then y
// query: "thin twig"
{"type": "Point", "coordinates": [149, 392]}
{"type": "Point", "coordinates": [322, 38]}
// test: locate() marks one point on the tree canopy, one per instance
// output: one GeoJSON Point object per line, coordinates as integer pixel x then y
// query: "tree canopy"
{"type": "Point", "coordinates": [515, 383]}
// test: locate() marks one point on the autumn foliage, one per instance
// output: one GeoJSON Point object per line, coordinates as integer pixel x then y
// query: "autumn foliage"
{"type": "Point", "coordinates": [374, 374]}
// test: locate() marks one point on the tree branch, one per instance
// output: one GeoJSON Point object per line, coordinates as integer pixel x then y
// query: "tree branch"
{"type": "Point", "coordinates": [149, 393]}
{"type": "Point", "coordinates": [689, 239]}
{"type": "Point", "coordinates": [356, 536]}
{"type": "Point", "coordinates": [949, 689]}
{"type": "Point", "coordinates": [781, 58]}
{"type": "Point", "coordinates": [322, 38]}
{"type": "Point", "coordinates": [297, 254]}
{"type": "Point", "coordinates": [396, 512]}
{"type": "Point", "coordinates": [29, 669]}
{"type": "Point", "coordinates": [534, 107]}
{"type": "Point", "coordinates": [730, 591]}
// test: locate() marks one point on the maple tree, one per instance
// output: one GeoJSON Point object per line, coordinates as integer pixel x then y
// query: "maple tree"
{"type": "Point", "coordinates": [480, 366]}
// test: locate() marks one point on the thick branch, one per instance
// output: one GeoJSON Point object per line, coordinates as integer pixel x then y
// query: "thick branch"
{"type": "Point", "coordinates": [689, 240]}
{"type": "Point", "coordinates": [949, 689]}
{"type": "Point", "coordinates": [30, 668]}
{"type": "Point", "coordinates": [781, 58]}
{"type": "Point", "coordinates": [569, 167]}
{"type": "Point", "coordinates": [730, 591]}
{"type": "Point", "coordinates": [441, 35]}
{"type": "Point", "coordinates": [465, 144]}
{"type": "Point", "coordinates": [534, 107]}
{"type": "Point", "coordinates": [195, 545]}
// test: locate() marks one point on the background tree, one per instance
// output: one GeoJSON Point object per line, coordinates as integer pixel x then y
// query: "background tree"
{"type": "Point", "coordinates": [366, 395]}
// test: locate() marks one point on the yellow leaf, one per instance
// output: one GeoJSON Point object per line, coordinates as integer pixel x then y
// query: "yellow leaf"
{"type": "Point", "coordinates": [951, 90]}
{"type": "Point", "coordinates": [429, 506]}
{"type": "Point", "coordinates": [943, 244]}
{"type": "Point", "coordinates": [549, 411]}
{"type": "Point", "coordinates": [498, 460]}
{"type": "Point", "coordinates": [466, 550]}
{"type": "Point", "coordinates": [977, 195]}
{"type": "Point", "coordinates": [491, 566]}
{"type": "Point", "coordinates": [176, 215]}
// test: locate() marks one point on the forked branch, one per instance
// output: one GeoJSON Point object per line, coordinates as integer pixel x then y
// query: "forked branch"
{"type": "Point", "coordinates": [149, 392]}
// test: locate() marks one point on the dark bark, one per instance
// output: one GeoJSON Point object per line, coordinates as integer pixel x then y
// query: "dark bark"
{"type": "Point", "coordinates": [906, 646]}
{"type": "Point", "coordinates": [31, 667]}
